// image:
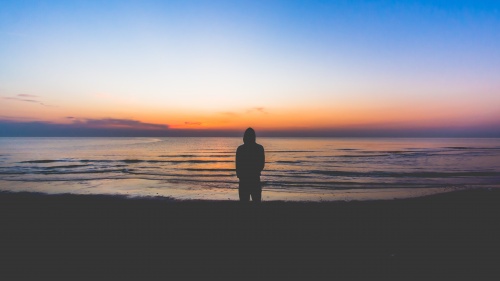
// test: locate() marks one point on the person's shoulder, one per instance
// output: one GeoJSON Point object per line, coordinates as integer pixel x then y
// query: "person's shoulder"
{"type": "Point", "coordinates": [260, 146]}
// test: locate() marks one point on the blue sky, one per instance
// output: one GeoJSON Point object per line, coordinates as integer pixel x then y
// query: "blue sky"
{"type": "Point", "coordinates": [223, 65]}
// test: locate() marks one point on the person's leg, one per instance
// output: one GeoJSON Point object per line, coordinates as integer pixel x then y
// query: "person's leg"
{"type": "Point", "coordinates": [244, 191]}
{"type": "Point", "coordinates": [256, 191]}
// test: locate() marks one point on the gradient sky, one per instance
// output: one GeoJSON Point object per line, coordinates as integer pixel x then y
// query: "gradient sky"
{"type": "Point", "coordinates": [296, 67]}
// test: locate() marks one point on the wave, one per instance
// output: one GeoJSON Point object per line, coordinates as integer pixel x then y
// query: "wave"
{"type": "Point", "coordinates": [41, 161]}
{"type": "Point", "coordinates": [472, 148]}
{"type": "Point", "coordinates": [210, 170]}
{"type": "Point", "coordinates": [291, 151]}
{"type": "Point", "coordinates": [127, 161]}
{"type": "Point", "coordinates": [66, 166]}
{"type": "Point", "coordinates": [49, 172]}
{"type": "Point", "coordinates": [359, 156]}
{"type": "Point", "coordinates": [376, 174]}
{"type": "Point", "coordinates": [176, 175]}
{"type": "Point", "coordinates": [132, 161]}
{"type": "Point", "coordinates": [193, 156]}
{"type": "Point", "coordinates": [300, 176]}
{"type": "Point", "coordinates": [189, 161]}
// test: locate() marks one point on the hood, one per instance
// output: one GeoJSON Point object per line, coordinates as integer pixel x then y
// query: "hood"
{"type": "Point", "coordinates": [249, 136]}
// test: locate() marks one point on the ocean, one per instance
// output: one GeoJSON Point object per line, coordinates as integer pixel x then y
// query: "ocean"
{"type": "Point", "coordinates": [309, 169]}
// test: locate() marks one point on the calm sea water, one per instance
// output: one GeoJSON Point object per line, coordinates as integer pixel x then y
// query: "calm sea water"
{"type": "Point", "coordinates": [296, 168]}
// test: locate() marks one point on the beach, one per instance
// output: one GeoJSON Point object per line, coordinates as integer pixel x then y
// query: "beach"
{"type": "Point", "coordinates": [133, 133]}
{"type": "Point", "coordinates": [439, 236]}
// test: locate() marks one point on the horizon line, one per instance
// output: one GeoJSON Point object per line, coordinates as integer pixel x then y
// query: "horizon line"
{"type": "Point", "coordinates": [130, 128]}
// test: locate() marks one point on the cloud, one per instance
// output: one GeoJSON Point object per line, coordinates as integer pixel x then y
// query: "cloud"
{"type": "Point", "coordinates": [18, 118]}
{"type": "Point", "coordinates": [106, 127]}
{"type": "Point", "coordinates": [257, 110]}
{"type": "Point", "coordinates": [26, 98]}
{"type": "Point", "coordinates": [192, 123]}
{"type": "Point", "coordinates": [20, 99]}
{"type": "Point", "coordinates": [109, 127]}
{"type": "Point", "coordinates": [116, 123]}
{"type": "Point", "coordinates": [229, 113]}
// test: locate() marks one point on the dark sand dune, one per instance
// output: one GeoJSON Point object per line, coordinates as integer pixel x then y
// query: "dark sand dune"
{"type": "Point", "coordinates": [436, 237]}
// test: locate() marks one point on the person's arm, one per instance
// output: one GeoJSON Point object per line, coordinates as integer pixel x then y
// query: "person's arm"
{"type": "Point", "coordinates": [238, 162]}
{"type": "Point", "coordinates": [263, 159]}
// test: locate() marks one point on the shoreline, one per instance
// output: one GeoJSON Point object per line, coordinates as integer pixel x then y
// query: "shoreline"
{"type": "Point", "coordinates": [357, 195]}
{"type": "Point", "coordinates": [432, 194]}
{"type": "Point", "coordinates": [452, 234]}
{"type": "Point", "coordinates": [153, 188]}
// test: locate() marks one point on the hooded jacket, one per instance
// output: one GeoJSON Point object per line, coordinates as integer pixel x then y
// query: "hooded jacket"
{"type": "Point", "coordinates": [250, 159]}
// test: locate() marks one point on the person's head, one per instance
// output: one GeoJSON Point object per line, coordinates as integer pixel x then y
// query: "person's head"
{"type": "Point", "coordinates": [249, 136]}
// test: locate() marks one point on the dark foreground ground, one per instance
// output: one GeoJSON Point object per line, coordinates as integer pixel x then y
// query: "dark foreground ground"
{"type": "Point", "coordinates": [437, 237]}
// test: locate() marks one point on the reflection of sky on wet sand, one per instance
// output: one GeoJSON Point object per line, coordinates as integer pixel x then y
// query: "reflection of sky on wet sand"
{"type": "Point", "coordinates": [149, 188]}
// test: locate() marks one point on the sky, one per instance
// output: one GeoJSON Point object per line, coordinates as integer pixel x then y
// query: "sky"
{"type": "Point", "coordinates": [285, 68]}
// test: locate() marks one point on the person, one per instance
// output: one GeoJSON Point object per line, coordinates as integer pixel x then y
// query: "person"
{"type": "Point", "coordinates": [250, 160]}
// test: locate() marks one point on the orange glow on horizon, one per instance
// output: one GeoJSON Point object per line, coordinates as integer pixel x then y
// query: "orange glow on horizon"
{"type": "Point", "coordinates": [307, 117]}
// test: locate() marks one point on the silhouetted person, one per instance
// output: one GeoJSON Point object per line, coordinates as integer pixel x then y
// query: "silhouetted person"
{"type": "Point", "coordinates": [250, 161]}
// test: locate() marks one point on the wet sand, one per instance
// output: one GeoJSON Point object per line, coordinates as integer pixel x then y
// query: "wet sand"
{"type": "Point", "coordinates": [438, 237]}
